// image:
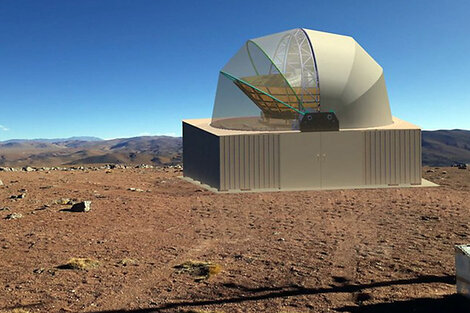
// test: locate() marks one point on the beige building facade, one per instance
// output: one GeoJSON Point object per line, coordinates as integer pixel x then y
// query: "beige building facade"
{"type": "Point", "coordinates": [293, 160]}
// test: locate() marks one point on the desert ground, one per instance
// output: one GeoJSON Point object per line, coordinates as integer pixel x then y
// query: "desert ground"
{"type": "Point", "coordinates": [369, 250]}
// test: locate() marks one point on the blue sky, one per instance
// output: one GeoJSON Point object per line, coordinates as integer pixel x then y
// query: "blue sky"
{"type": "Point", "coordinates": [112, 68]}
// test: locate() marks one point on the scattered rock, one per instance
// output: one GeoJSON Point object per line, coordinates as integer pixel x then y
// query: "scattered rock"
{"type": "Point", "coordinates": [429, 218]}
{"type": "Point", "coordinates": [1, 183]}
{"type": "Point", "coordinates": [88, 168]}
{"type": "Point", "coordinates": [20, 196]}
{"type": "Point", "coordinates": [135, 189]}
{"type": "Point", "coordinates": [5, 209]}
{"type": "Point", "coordinates": [83, 206]}
{"type": "Point", "coordinates": [178, 167]}
{"type": "Point", "coordinates": [13, 216]}
{"type": "Point", "coordinates": [51, 272]}
{"type": "Point", "coordinates": [144, 166]}
{"type": "Point", "coordinates": [444, 172]}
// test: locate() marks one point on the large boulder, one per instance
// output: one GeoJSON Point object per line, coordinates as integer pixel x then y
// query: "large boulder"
{"type": "Point", "coordinates": [83, 206]}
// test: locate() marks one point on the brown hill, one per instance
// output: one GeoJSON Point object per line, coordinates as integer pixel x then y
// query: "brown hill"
{"type": "Point", "coordinates": [444, 147]}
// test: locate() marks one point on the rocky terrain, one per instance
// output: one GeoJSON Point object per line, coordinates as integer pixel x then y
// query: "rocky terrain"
{"type": "Point", "coordinates": [150, 242]}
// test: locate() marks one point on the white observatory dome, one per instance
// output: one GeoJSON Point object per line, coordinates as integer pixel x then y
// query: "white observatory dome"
{"type": "Point", "coordinates": [272, 81]}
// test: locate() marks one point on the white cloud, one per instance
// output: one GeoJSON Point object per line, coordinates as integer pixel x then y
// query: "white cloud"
{"type": "Point", "coordinates": [4, 128]}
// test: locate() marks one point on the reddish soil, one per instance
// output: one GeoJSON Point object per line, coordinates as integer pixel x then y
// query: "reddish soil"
{"type": "Point", "coordinates": [382, 250]}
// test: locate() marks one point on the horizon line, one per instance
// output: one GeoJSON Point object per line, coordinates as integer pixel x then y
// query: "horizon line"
{"type": "Point", "coordinates": [168, 135]}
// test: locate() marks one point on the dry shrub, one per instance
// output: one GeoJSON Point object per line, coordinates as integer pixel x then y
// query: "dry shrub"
{"type": "Point", "coordinates": [201, 270]}
{"type": "Point", "coordinates": [80, 264]}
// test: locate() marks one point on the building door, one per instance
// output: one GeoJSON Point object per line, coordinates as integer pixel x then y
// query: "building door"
{"type": "Point", "coordinates": [322, 160]}
{"type": "Point", "coordinates": [300, 155]}
{"type": "Point", "coordinates": [342, 159]}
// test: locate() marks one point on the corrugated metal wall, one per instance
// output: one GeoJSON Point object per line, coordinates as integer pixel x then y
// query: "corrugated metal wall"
{"type": "Point", "coordinates": [393, 157]}
{"type": "Point", "coordinates": [249, 162]}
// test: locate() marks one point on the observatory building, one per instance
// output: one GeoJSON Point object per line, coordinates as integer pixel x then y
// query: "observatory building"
{"type": "Point", "coordinates": [299, 110]}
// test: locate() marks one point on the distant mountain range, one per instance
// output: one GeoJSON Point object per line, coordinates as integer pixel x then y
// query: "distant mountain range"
{"type": "Point", "coordinates": [156, 150]}
{"type": "Point", "coordinates": [440, 148]}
